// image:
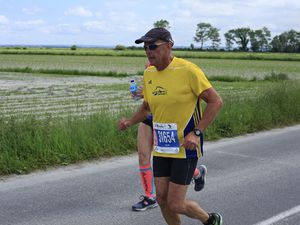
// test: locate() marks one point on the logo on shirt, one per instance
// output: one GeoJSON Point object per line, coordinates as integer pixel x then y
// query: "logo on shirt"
{"type": "Point", "coordinates": [150, 82]}
{"type": "Point", "coordinates": [159, 91]}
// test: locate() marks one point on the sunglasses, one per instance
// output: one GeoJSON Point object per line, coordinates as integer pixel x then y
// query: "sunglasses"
{"type": "Point", "coordinates": [153, 46]}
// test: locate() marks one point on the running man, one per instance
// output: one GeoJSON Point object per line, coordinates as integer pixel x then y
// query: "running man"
{"type": "Point", "coordinates": [145, 146]}
{"type": "Point", "coordinates": [173, 90]}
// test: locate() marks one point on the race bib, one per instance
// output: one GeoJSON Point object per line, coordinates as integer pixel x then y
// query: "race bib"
{"type": "Point", "coordinates": [166, 138]}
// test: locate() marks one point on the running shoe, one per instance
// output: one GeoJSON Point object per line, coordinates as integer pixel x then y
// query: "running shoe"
{"type": "Point", "coordinates": [200, 180]}
{"type": "Point", "coordinates": [218, 220]}
{"type": "Point", "coordinates": [145, 203]}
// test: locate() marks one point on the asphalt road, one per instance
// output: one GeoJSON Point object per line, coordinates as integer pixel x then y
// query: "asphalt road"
{"type": "Point", "coordinates": [254, 179]}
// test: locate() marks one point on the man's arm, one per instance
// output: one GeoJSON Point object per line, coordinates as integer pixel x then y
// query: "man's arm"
{"type": "Point", "coordinates": [214, 104]}
{"type": "Point", "coordinates": [139, 116]}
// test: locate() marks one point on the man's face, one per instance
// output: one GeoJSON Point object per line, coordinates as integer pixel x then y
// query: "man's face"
{"type": "Point", "coordinates": [157, 51]}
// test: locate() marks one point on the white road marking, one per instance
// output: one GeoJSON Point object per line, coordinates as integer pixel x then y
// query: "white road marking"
{"type": "Point", "coordinates": [280, 216]}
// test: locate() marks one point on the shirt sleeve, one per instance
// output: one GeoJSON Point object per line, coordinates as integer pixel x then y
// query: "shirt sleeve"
{"type": "Point", "coordinates": [198, 80]}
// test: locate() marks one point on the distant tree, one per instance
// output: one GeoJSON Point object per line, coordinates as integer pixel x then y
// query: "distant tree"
{"type": "Point", "coordinates": [288, 41]}
{"type": "Point", "coordinates": [206, 32]}
{"type": "Point", "coordinates": [260, 39]}
{"type": "Point", "coordinates": [265, 39]}
{"type": "Point", "coordinates": [229, 38]}
{"type": "Point", "coordinates": [214, 36]}
{"type": "Point", "coordinates": [293, 41]}
{"type": "Point", "coordinates": [202, 33]}
{"type": "Point", "coordinates": [162, 24]}
{"type": "Point", "coordinates": [254, 41]}
{"type": "Point", "coordinates": [241, 37]}
{"type": "Point", "coordinates": [120, 47]}
{"type": "Point", "coordinates": [278, 43]}
{"type": "Point", "coordinates": [192, 46]}
{"type": "Point", "coordinates": [73, 47]}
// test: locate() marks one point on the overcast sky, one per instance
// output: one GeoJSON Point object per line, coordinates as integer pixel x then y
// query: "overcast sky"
{"type": "Point", "coordinates": [112, 22]}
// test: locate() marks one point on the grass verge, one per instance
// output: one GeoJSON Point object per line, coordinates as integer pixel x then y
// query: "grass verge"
{"type": "Point", "coordinates": [273, 107]}
{"type": "Point", "coordinates": [27, 143]}
{"type": "Point", "coordinates": [141, 53]}
{"type": "Point", "coordinates": [65, 72]}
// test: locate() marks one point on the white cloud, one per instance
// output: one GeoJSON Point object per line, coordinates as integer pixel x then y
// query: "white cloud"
{"type": "Point", "coordinates": [28, 24]}
{"type": "Point", "coordinates": [62, 28]}
{"type": "Point", "coordinates": [114, 21]}
{"type": "Point", "coordinates": [95, 25]}
{"type": "Point", "coordinates": [230, 14]}
{"type": "Point", "coordinates": [109, 22]}
{"type": "Point", "coordinates": [124, 21]}
{"type": "Point", "coordinates": [3, 19]}
{"type": "Point", "coordinates": [31, 11]}
{"type": "Point", "coordinates": [202, 9]}
{"type": "Point", "coordinates": [274, 3]}
{"type": "Point", "coordinates": [79, 11]}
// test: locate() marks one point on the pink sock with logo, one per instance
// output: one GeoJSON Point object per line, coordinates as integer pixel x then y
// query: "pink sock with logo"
{"type": "Point", "coordinates": [147, 179]}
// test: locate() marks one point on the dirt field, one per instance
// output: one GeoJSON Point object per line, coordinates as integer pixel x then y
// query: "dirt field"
{"type": "Point", "coordinates": [60, 95]}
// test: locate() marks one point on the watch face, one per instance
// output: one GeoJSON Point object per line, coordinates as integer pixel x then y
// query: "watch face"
{"type": "Point", "coordinates": [197, 132]}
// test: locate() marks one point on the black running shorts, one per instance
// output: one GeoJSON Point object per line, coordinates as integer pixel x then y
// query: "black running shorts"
{"type": "Point", "coordinates": [180, 171]}
{"type": "Point", "coordinates": [149, 121]}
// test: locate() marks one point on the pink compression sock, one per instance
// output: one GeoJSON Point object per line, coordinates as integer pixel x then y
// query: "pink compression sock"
{"type": "Point", "coordinates": [196, 172]}
{"type": "Point", "coordinates": [147, 180]}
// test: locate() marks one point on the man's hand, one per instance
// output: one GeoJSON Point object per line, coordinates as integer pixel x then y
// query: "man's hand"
{"type": "Point", "coordinates": [123, 124]}
{"type": "Point", "coordinates": [139, 94]}
{"type": "Point", "coordinates": [191, 141]}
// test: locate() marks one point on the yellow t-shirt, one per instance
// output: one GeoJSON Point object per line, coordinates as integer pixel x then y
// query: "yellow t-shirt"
{"type": "Point", "coordinates": [172, 95]}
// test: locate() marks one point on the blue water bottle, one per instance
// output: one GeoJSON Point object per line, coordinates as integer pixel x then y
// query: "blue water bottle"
{"type": "Point", "coordinates": [134, 89]}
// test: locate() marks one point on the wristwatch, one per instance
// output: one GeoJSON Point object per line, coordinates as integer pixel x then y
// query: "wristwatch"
{"type": "Point", "coordinates": [197, 132]}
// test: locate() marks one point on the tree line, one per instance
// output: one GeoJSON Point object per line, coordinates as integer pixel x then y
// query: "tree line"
{"type": "Point", "coordinates": [243, 39]}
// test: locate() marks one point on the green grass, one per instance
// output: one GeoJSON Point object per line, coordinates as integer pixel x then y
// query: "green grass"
{"type": "Point", "coordinates": [256, 87]}
{"type": "Point", "coordinates": [275, 105]}
{"type": "Point", "coordinates": [141, 53]}
{"type": "Point", "coordinates": [248, 69]}
{"type": "Point", "coordinates": [28, 143]}
{"type": "Point", "coordinates": [93, 64]}
{"type": "Point", "coordinates": [65, 72]}
{"type": "Point", "coordinates": [272, 77]}
{"type": "Point", "coordinates": [116, 66]}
